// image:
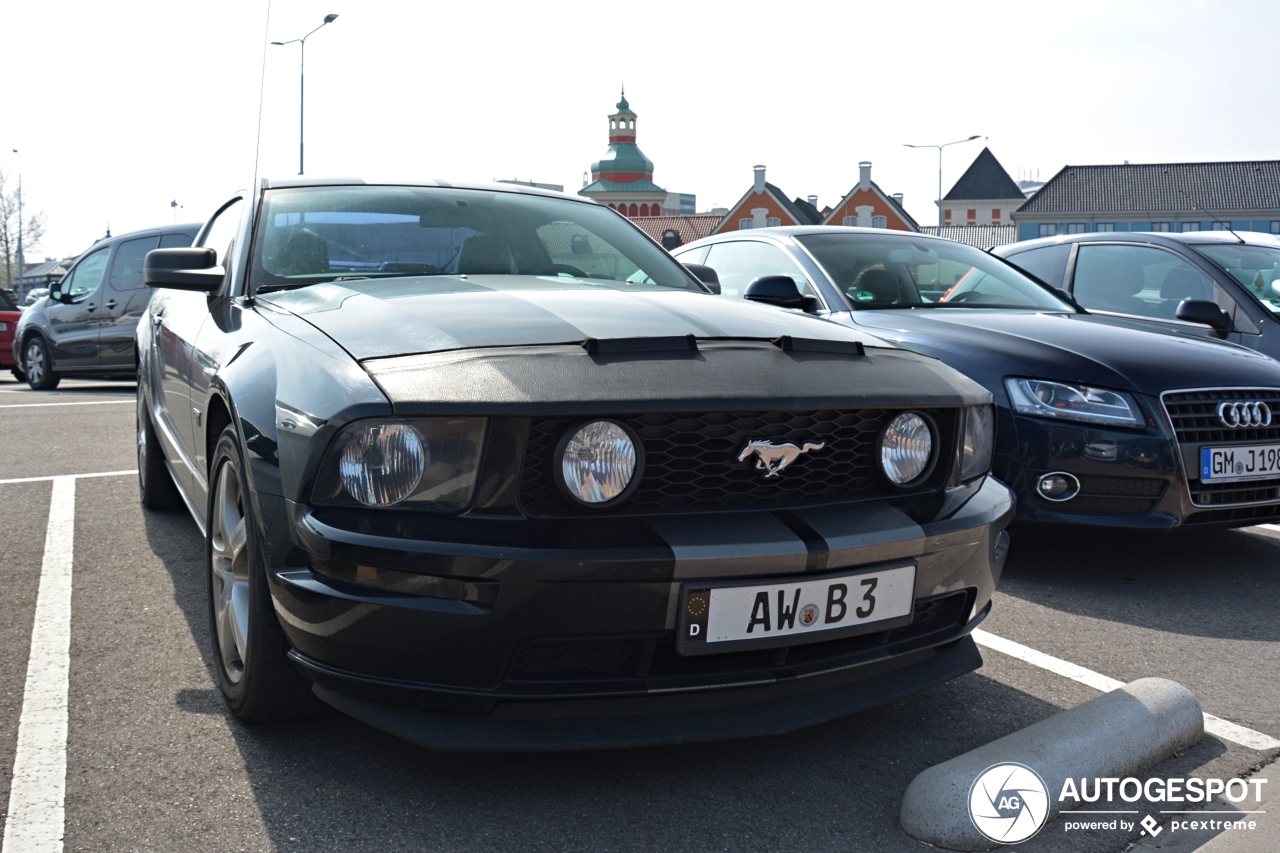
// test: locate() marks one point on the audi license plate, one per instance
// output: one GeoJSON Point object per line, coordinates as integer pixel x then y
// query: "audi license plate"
{"type": "Point", "coordinates": [791, 611]}
{"type": "Point", "coordinates": [1227, 464]}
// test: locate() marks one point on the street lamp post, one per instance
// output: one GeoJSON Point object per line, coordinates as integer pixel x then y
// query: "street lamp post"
{"type": "Point", "coordinates": [940, 147]}
{"type": "Point", "coordinates": [302, 83]}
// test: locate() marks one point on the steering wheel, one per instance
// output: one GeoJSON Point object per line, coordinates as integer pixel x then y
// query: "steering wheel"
{"type": "Point", "coordinates": [964, 297]}
{"type": "Point", "coordinates": [556, 269]}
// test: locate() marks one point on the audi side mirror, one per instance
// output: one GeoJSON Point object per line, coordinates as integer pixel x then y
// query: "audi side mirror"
{"type": "Point", "coordinates": [183, 269]}
{"type": "Point", "coordinates": [709, 278]}
{"type": "Point", "coordinates": [780, 290]}
{"type": "Point", "coordinates": [1205, 312]}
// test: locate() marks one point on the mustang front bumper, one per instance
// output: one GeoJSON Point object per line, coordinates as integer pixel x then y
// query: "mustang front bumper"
{"type": "Point", "coordinates": [519, 631]}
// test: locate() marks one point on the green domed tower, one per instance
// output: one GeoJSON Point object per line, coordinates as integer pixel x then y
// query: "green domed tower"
{"type": "Point", "coordinates": [623, 177]}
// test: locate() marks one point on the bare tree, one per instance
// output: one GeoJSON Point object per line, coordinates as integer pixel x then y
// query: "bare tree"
{"type": "Point", "coordinates": [32, 233]}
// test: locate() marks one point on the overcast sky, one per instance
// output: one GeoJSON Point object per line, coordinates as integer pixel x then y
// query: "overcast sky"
{"type": "Point", "coordinates": [120, 108]}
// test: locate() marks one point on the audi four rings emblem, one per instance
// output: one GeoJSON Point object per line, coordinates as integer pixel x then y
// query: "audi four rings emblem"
{"type": "Point", "coordinates": [1237, 415]}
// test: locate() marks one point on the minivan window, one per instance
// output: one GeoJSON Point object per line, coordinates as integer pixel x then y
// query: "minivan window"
{"type": "Point", "coordinates": [126, 269]}
{"type": "Point", "coordinates": [87, 274]}
{"type": "Point", "coordinates": [1049, 264]}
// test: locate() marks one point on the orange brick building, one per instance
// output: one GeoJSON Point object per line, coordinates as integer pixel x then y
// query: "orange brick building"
{"type": "Point", "coordinates": [766, 206]}
{"type": "Point", "coordinates": [868, 206]}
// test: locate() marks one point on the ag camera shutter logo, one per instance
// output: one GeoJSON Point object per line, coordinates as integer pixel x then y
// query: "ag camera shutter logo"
{"type": "Point", "coordinates": [1008, 803]}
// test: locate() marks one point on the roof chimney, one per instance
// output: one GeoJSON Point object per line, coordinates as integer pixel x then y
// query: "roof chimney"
{"type": "Point", "coordinates": [864, 175]}
{"type": "Point", "coordinates": [898, 198]}
{"type": "Point", "coordinates": [813, 200]}
{"type": "Point", "coordinates": [759, 185]}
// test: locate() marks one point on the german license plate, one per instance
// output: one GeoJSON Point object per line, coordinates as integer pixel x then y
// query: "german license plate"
{"type": "Point", "coordinates": [791, 611]}
{"type": "Point", "coordinates": [1227, 464]}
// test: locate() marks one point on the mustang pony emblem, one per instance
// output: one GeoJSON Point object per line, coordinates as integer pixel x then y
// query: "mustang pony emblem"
{"type": "Point", "coordinates": [773, 458]}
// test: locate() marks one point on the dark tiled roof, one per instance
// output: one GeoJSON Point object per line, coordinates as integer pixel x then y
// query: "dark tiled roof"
{"type": "Point", "coordinates": [689, 228]}
{"type": "Point", "coordinates": [800, 214]}
{"type": "Point", "coordinates": [984, 179]}
{"type": "Point", "coordinates": [812, 215]}
{"type": "Point", "coordinates": [1236, 186]}
{"type": "Point", "coordinates": [981, 236]}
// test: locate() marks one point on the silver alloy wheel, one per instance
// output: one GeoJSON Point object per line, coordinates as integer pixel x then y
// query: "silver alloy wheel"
{"type": "Point", "coordinates": [230, 565]}
{"type": "Point", "coordinates": [35, 363]}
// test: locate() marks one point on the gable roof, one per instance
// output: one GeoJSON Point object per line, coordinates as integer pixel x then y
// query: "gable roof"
{"type": "Point", "coordinates": [801, 211]}
{"type": "Point", "coordinates": [885, 197]}
{"type": "Point", "coordinates": [1152, 187]}
{"type": "Point", "coordinates": [984, 179]}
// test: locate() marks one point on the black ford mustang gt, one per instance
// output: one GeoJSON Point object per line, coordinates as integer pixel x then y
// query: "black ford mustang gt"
{"type": "Point", "coordinates": [1100, 423]}
{"type": "Point", "coordinates": [487, 469]}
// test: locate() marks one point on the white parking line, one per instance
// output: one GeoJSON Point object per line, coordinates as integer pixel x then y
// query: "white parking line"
{"type": "Point", "coordinates": [85, 403]}
{"type": "Point", "coordinates": [1272, 527]}
{"type": "Point", "coordinates": [36, 817]}
{"type": "Point", "coordinates": [72, 476]}
{"type": "Point", "coordinates": [1215, 726]}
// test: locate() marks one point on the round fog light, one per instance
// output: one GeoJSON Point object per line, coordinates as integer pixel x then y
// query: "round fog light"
{"type": "Point", "coordinates": [1059, 486]}
{"type": "Point", "coordinates": [598, 463]}
{"type": "Point", "coordinates": [906, 449]}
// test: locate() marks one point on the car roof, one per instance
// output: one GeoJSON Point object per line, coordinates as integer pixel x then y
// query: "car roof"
{"type": "Point", "coordinates": [784, 231]}
{"type": "Point", "coordinates": [490, 186]}
{"type": "Point", "coordinates": [1185, 238]}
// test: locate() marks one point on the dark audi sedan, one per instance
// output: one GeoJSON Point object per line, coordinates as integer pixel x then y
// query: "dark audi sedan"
{"type": "Point", "coordinates": [1099, 423]}
{"type": "Point", "coordinates": [487, 469]}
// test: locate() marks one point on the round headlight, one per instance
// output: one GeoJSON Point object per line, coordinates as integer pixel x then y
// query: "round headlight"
{"type": "Point", "coordinates": [383, 463]}
{"type": "Point", "coordinates": [598, 463]}
{"type": "Point", "coordinates": [906, 448]}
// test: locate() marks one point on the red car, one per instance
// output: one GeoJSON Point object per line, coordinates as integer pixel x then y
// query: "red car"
{"type": "Point", "coordinates": [9, 315]}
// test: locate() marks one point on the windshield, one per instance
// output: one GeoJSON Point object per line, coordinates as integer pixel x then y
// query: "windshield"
{"type": "Point", "coordinates": [896, 272]}
{"type": "Point", "coordinates": [311, 235]}
{"type": "Point", "coordinates": [1255, 267]}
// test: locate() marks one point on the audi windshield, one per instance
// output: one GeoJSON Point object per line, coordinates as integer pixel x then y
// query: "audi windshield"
{"type": "Point", "coordinates": [893, 272]}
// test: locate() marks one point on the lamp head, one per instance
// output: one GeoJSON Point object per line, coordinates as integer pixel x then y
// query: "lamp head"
{"type": "Point", "coordinates": [329, 19]}
{"type": "Point", "coordinates": [278, 43]}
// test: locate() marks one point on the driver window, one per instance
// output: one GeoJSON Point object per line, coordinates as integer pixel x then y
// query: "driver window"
{"type": "Point", "coordinates": [222, 231]}
{"type": "Point", "coordinates": [741, 262]}
{"type": "Point", "coordinates": [87, 275]}
{"type": "Point", "coordinates": [1141, 280]}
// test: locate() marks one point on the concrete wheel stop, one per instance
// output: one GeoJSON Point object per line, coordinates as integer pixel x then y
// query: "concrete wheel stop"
{"type": "Point", "coordinates": [1121, 733]}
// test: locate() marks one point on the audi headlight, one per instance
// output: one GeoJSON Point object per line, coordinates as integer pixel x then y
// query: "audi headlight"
{"type": "Point", "coordinates": [428, 463]}
{"type": "Point", "coordinates": [979, 439]}
{"type": "Point", "coordinates": [1045, 399]}
{"type": "Point", "coordinates": [906, 449]}
{"type": "Point", "coordinates": [598, 463]}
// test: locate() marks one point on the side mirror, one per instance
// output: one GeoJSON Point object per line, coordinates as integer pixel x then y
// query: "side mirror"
{"type": "Point", "coordinates": [1204, 311]}
{"type": "Point", "coordinates": [706, 275]}
{"type": "Point", "coordinates": [183, 269]}
{"type": "Point", "coordinates": [777, 290]}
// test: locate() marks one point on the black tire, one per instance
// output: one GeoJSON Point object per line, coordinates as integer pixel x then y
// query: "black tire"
{"type": "Point", "coordinates": [38, 365]}
{"type": "Point", "coordinates": [156, 488]}
{"type": "Point", "coordinates": [258, 683]}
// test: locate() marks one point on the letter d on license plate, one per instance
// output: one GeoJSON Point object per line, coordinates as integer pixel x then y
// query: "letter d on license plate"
{"type": "Point", "coordinates": [760, 613]}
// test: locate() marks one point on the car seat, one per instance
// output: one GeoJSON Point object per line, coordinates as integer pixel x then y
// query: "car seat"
{"type": "Point", "coordinates": [483, 255]}
{"type": "Point", "coordinates": [1179, 284]}
{"type": "Point", "coordinates": [302, 252]}
{"type": "Point", "coordinates": [884, 287]}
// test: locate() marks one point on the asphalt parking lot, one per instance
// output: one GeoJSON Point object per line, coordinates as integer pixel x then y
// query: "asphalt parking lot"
{"type": "Point", "coordinates": [153, 762]}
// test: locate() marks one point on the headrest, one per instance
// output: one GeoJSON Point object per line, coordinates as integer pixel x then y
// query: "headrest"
{"type": "Point", "coordinates": [483, 255]}
{"type": "Point", "coordinates": [1182, 283]}
{"type": "Point", "coordinates": [881, 284]}
{"type": "Point", "coordinates": [302, 252]}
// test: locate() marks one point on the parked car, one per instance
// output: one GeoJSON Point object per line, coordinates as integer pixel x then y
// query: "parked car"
{"type": "Point", "coordinates": [84, 327]}
{"type": "Point", "coordinates": [1099, 422]}
{"type": "Point", "coordinates": [1212, 283]}
{"type": "Point", "coordinates": [34, 295]}
{"type": "Point", "coordinates": [487, 469]}
{"type": "Point", "coordinates": [9, 315]}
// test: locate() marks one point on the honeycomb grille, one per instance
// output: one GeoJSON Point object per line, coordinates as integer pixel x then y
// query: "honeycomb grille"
{"type": "Point", "coordinates": [1112, 496]}
{"type": "Point", "coordinates": [1194, 415]}
{"type": "Point", "coordinates": [691, 460]}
